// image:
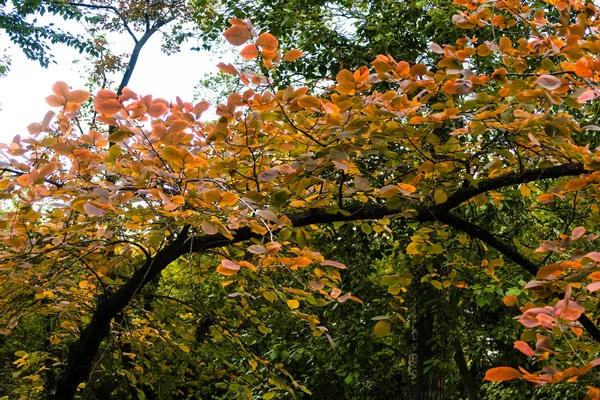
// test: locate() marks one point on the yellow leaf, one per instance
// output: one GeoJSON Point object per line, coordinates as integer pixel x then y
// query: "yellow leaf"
{"type": "Point", "coordinates": [118, 136]}
{"type": "Point", "coordinates": [184, 348]}
{"type": "Point", "coordinates": [382, 328]}
{"type": "Point", "coordinates": [413, 248]}
{"type": "Point", "coordinates": [228, 199]}
{"type": "Point", "coordinates": [388, 191]}
{"type": "Point", "coordinates": [212, 195]}
{"type": "Point", "coordinates": [293, 304]}
{"type": "Point", "coordinates": [440, 196]}
{"type": "Point", "coordinates": [269, 296]}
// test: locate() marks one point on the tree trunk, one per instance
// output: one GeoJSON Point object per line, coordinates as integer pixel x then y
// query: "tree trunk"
{"type": "Point", "coordinates": [463, 369]}
{"type": "Point", "coordinates": [422, 385]}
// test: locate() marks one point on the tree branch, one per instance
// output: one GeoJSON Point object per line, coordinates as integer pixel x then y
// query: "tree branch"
{"type": "Point", "coordinates": [110, 8]}
{"type": "Point", "coordinates": [479, 233]}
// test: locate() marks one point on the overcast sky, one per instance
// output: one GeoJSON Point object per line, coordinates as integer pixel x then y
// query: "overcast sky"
{"type": "Point", "coordinates": [23, 90]}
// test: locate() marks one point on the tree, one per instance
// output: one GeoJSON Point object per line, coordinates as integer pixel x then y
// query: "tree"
{"type": "Point", "coordinates": [469, 163]}
{"type": "Point", "coordinates": [34, 38]}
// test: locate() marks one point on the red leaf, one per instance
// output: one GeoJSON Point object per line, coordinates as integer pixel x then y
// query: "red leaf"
{"type": "Point", "coordinates": [587, 95]}
{"type": "Point", "coordinates": [501, 374]}
{"type": "Point", "coordinates": [237, 35]}
{"type": "Point", "coordinates": [524, 348]}
{"type": "Point", "coordinates": [594, 255]}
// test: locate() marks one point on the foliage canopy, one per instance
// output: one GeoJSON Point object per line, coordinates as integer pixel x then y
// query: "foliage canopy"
{"type": "Point", "coordinates": [448, 192]}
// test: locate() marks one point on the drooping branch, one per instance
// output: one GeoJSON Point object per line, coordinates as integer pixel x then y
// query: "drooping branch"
{"type": "Point", "coordinates": [510, 252]}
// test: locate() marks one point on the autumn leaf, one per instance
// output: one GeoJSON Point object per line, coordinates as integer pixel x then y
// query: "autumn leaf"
{"type": "Point", "coordinates": [249, 52]}
{"type": "Point", "coordinates": [549, 82]}
{"type": "Point", "coordinates": [292, 55]}
{"type": "Point", "coordinates": [524, 348]}
{"type": "Point", "coordinates": [510, 301]}
{"type": "Point", "coordinates": [293, 304]}
{"type": "Point", "coordinates": [227, 68]}
{"type": "Point", "coordinates": [267, 42]}
{"type": "Point", "coordinates": [382, 328]}
{"type": "Point", "coordinates": [333, 264]}
{"type": "Point", "coordinates": [108, 108]}
{"type": "Point", "coordinates": [228, 268]}
{"type": "Point", "coordinates": [60, 88]}
{"type": "Point", "coordinates": [237, 35]}
{"type": "Point", "coordinates": [500, 374]}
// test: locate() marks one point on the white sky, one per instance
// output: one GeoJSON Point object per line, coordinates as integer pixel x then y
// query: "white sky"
{"type": "Point", "coordinates": [23, 90]}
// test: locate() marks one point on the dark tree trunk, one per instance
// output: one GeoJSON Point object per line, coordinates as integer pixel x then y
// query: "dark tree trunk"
{"type": "Point", "coordinates": [421, 384]}
{"type": "Point", "coordinates": [463, 369]}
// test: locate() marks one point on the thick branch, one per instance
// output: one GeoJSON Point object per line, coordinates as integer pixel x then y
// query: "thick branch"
{"type": "Point", "coordinates": [83, 351]}
{"type": "Point", "coordinates": [514, 178]}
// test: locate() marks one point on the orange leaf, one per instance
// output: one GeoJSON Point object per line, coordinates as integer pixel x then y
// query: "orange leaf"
{"type": "Point", "coordinates": [418, 69]}
{"type": "Point", "coordinates": [61, 89]}
{"type": "Point", "coordinates": [267, 42]}
{"type": "Point", "coordinates": [109, 108]}
{"type": "Point", "coordinates": [237, 35]}
{"type": "Point", "coordinates": [500, 374]}
{"type": "Point", "coordinates": [582, 68]}
{"type": "Point", "coordinates": [157, 109]}
{"type": "Point", "coordinates": [510, 301]}
{"type": "Point", "coordinates": [55, 100]}
{"type": "Point", "coordinates": [227, 68]}
{"type": "Point", "coordinates": [249, 52]}
{"type": "Point", "coordinates": [292, 55]}
{"type": "Point", "coordinates": [594, 276]}
{"type": "Point", "coordinates": [228, 268]}
{"type": "Point", "coordinates": [524, 348]}
{"type": "Point", "coordinates": [576, 184]}
{"type": "Point", "coordinates": [78, 96]}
